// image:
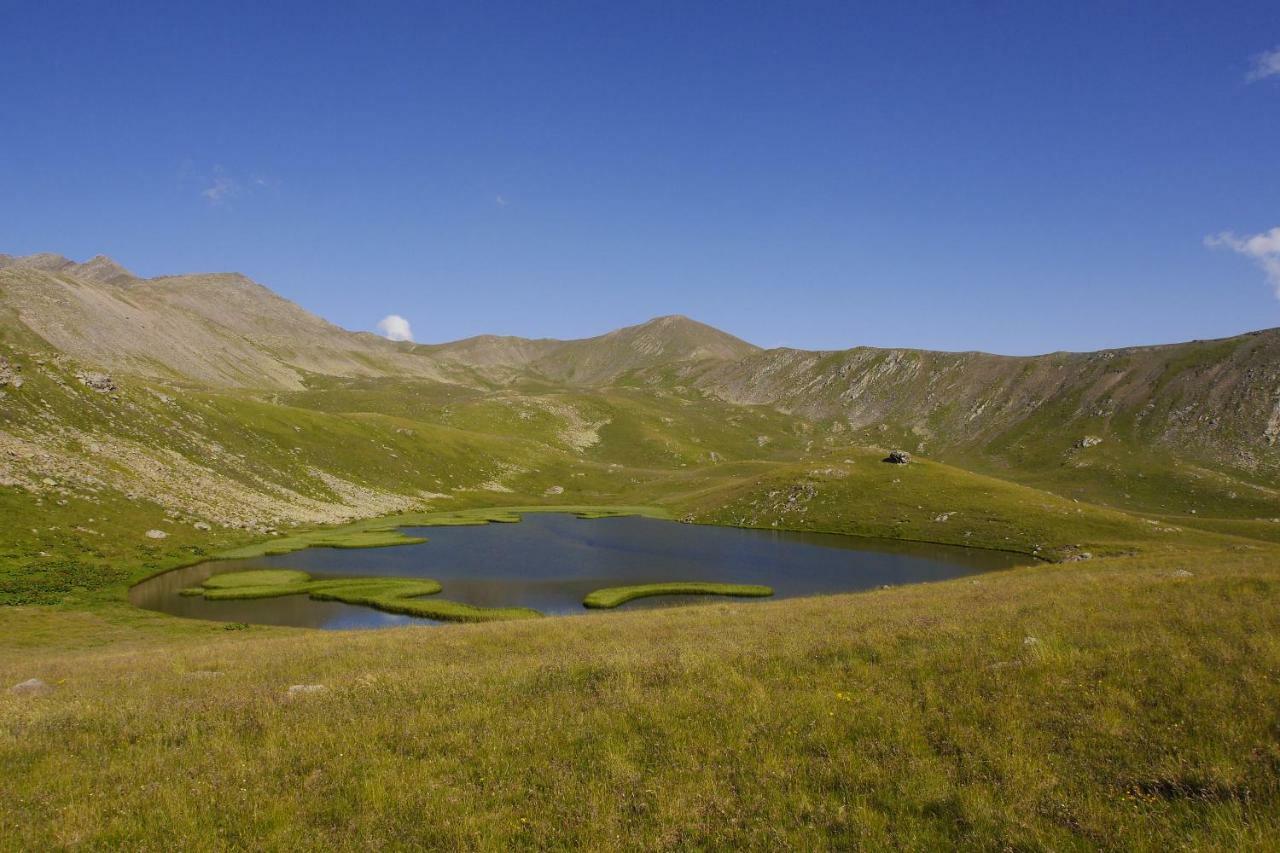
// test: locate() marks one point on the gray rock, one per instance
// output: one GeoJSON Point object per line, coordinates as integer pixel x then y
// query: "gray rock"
{"type": "Point", "coordinates": [31, 687]}
{"type": "Point", "coordinates": [1089, 441]}
{"type": "Point", "coordinates": [202, 525]}
{"type": "Point", "coordinates": [156, 534]}
{"type": "Point", "coordinates": [898, 457]}
{"type": "Point", "coordinates": [554, 490]}
{"type": "Point", "coordinates": [297, 690]}
{"type": "Point", "coordinates": [100, 382]}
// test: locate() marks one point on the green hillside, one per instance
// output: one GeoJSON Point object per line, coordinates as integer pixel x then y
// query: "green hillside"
{"type": "Point", "coordinates": [1116, 691]}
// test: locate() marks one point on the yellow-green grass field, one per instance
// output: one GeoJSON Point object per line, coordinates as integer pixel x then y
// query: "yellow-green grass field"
{"type": "Point", "coordinates": [1122, 703]}
{"type": "Point", "coordinates": [1127, 700]}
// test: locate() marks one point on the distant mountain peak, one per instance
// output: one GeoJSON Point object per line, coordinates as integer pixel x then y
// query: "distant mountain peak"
{"type": "Point", "coordinates": [47, 261]}
{"type": "Point", "coordinates": [684, 334]}
{"type": "Point", "coordinates": [99, 268]}
{"type": "Point", "coordinates": [103, 269]}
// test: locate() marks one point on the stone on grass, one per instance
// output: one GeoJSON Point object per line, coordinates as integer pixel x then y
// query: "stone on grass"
{"type": "Point", "coordinates": [30, 687]}
{"type": "Point", "coordinates": [1181, 573]}
{"type": "Point", "coordinates": [554, 490]}
{"type": "Point", "coordinates": [898, 457]}
{"type": "Point", "coordinates": [157, 534]}
{"type": "Point", "coordinates": [305, 690]}
{"type": "Point", "coordinates": [100, 382]}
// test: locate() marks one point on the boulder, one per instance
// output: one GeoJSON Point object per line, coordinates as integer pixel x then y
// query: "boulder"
{"type": "Point", "coordinates": [100, 382]}
{"type": "Point", "coordinates": [297, 690]}
{"type": "Point", "coordinates": [898, 457]}
{"type": "Point", "coordinates": [30, 687]}
{"type": "Point", "coordinates": [9, 374]}
{"type": "Point", "coordinates": [156, 534]}
{"type": "Point", "coordinates": [554, 490]}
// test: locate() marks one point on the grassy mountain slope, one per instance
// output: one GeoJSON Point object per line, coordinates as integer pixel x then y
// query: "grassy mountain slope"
{"type": "Point", "coordinates": [1117, 691]}
{"type": "Point", "coordinates": [1215, 399]}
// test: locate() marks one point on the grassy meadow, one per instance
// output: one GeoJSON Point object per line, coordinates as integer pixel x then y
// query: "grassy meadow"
{"type": "Point", "coordinates": [1123, 703]}
{"type": "Point", "coordinates": [1122, 690]}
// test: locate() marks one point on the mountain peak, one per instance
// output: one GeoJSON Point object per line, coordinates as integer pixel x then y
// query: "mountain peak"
{"type": "Point", "coordinates": [102, 269]}
{"type": "Point", "coordinates": [99, 268]}
{"type": "Point", "coordinates": [689, 337]}
{"type": "Point", "coordinates": [47, 261]}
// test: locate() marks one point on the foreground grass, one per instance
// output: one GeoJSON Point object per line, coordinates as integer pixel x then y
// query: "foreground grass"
{"type": "Point", "coordinates": [392, 595]}
{"type": "Point", "coordinates": [615, 596]}
{"type": "Point", "coordinates": [1123, 703]}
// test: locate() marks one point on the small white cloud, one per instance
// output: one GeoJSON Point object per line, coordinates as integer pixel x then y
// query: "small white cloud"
{"type": "Point", "coordinates": [395, 328]}
{"type": "Point", "coordinates": [500, 201]}
{"type": "Point", "coordinates": [1263, 248]}
{"type": "Point", "coordinates": [224, 185]}
{"type": "Point", "coordinates": [1265, 65]}
{"type": "Point", "coordinates": [222, 188]}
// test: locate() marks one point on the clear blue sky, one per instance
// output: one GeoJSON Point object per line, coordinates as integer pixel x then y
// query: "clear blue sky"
{"type": "Point", "coordinates": [1008, 176]}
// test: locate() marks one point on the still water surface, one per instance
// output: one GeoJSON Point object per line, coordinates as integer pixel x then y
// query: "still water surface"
{"type": "Point", "coordinates": [550, 561]}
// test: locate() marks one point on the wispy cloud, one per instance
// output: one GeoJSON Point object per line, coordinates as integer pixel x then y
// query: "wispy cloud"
{"type": "Point", "coordinates": [221, 188]}
{"type": "Point", "coordinates": [395, 328]}
{"type": "Point", "coordinates": [1263, 248]}
{"type": "Point", "coordinates": [500, 201]}
{"type": "Point", "coordinates": [221, 185]}
{"type": "Point", "coordinates": [1265, 65]}
{"type": "Point", "coordinates": [265, 182]}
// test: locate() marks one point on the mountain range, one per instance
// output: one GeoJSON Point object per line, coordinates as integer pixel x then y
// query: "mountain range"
{"type": "Point", "coordinates": [1125, 426]}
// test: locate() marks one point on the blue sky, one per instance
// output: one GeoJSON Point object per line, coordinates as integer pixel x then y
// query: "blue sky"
{"type": "Point", "coordinates": [1013, 177]}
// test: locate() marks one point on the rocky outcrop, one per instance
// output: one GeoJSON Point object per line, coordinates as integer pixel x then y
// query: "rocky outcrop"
{"type": "Point", "coordinates": [100, 382]}
{"type": "Point", "coordinates": [10, 374]}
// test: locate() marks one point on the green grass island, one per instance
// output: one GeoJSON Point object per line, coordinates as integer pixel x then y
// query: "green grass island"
{"type": "Point", "coordinates": [615, 596]}
{"type": "Point", "coordinates": [403, 596]}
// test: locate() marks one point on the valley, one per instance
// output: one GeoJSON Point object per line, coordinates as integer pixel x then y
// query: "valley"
{"type": "Point", "coordinates": [1115, 689]}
